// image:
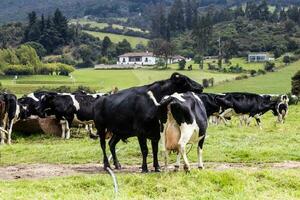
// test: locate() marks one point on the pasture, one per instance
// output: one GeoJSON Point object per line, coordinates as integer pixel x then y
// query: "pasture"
{"type": "Point", "coordinates": [93, 24]}
{"type": "Point", "coordinates": [240, 162]}
{"type": "Point", "coordinates": [115, 38]}
{"type": "Point", "coordinates": [102, 80]}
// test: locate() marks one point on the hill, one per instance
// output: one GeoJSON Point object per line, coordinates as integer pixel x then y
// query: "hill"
{"type": "Point", "coordinates": [16, 10]}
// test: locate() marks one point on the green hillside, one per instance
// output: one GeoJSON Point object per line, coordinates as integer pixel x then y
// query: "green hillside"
{"type": "Point", "coordinates": [276, 82]}
{"type": "Point", "coordinates": [118, 38]}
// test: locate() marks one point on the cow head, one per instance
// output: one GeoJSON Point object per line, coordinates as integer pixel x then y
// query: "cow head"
{"type": "Point", "coordinates": [30, 105]}
{"type": "Point", "coordinates": [185, 84]}
{"type": "Point", "coordinates": [45, 107]}
{"type": "Point", "coordinates": [24, 112]}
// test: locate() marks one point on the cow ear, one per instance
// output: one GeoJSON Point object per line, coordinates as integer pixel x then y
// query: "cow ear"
{"type": "Point", "coordinates": [176, 77]}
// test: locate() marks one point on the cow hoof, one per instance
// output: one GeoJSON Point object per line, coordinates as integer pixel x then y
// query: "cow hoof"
{"type": "Point", "coordinates": [201, 167]}
{"type": "Point", "coordinates": [93, 136]}
{"type": "Point", "coordinates": [157, 169]}
{"type": "Point", "coordinates": [118, 166]}
{"type": "Point", "coordinates": [145, 170]}
{"type": "Point", "coordinates": [176, 169]}
{"type": "Point", "coordinates": [186, 168]}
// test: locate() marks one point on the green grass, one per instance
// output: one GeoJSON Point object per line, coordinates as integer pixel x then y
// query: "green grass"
{"type": "Point", "coordinates": [103, 25]}
{"type": "Point", "coordinates": [102, 79]}
{"type": "Point", "coordinates": [118, 38]}
{"type": "Point", "coordinates": [272, 83]}
{"type": "Point", "coordinates": [224, 144]}
{"type": "Point", "coordinates": [206, 184]}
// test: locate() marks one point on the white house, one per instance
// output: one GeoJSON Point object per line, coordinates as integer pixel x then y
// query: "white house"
{"type": "Point", "coordinates": [137, 58]}
{"type": "Point", "coordinates": [259, 57]}
{"type": "Point", "coordinates": [144, 58]}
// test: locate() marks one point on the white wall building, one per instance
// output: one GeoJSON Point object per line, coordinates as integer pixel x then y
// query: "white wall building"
{"type": "Point", "coordinates": [259, 57]}
{"type": "Point", "coordinates": [137, 58]}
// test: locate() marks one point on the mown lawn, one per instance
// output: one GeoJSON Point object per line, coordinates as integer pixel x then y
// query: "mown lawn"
{"type": "Point", "coordinates": [272, 83]}
{"type": "Point", "coordinates": [118, 38]}
{"type": "Point", "coordinates": [102, 80]}
{"type": "Point", "coordinates": [206, 184]}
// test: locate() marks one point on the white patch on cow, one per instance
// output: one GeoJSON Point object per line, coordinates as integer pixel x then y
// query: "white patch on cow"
{"type": "Point", "coordinates": [42, 96]}
{"type": "Point", "coordinates": [97, 95]}
{"type": "Point", "coordinates": [196, 97]}
{"type": "Point", "coordinates": [150, 93]}
{"type": "Point", "coordinates": [75, 102]}
{"type": "Point", "coordinates": [31, 95]}
{"type": "Point", "coordinates": [178, 96]}
{"type": "Point", "coordinates": [165, 97]}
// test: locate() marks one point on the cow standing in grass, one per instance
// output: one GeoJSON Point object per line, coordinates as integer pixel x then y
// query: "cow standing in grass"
{"type": "Point", "coordinates": [183, 119]}
{"type": "Point", "coordinates": [134, 112]}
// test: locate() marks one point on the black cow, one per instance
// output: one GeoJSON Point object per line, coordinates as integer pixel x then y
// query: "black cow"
{"type": "Point", "coordinates": [242, 104]}
{"type": "Point", "coordinates": [68, 109]}
{"type": "Point", "coordinates": [183, 119]}
{"type": "Point", "coordinates": [13, 112]}
{"type": "Point", "coordinates": [133, 112]}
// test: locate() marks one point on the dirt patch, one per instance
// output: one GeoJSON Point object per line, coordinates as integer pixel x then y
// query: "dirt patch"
{"type": "Point", "coordinates": [40, 171]}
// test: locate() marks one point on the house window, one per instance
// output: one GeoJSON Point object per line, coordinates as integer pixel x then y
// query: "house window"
{"type": "Point", "coordinates": [146, 59]}
{"type": "Point", "coordinates": [123, 59]}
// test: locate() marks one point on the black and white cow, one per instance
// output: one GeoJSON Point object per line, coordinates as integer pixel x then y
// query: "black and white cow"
{"type": "Point", "coordinates": [13, 112]}
{"type": "Point", "coordinates": [68, 109]}
{"type": "Point", "coordinates": [242, 104]}
{"type": "Point", "coordinates": [183, 118]}
{"type": "Point", "coordinates": [212, 107]}
{"type": "Point", "coordinates": [32, 102]}
{"type": "Point", "coordinates": [282, 108]}
{"type": "Point", "coordinates": [134, 112]}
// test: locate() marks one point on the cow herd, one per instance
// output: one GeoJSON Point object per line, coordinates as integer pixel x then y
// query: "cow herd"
{"type": "Point", "coordinates": [175, 111]}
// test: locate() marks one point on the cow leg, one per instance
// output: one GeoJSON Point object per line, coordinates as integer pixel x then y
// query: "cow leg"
{"type": "Point", "coordinates": [103, 147]}
{"type": "Point", "coordinates": [2, 137]}
{"type": "Point", "coordinates": [166, 157]}
{"type": "Point", "coordinates": [200, 147]}
{"type": "Point", "coordinates": [10, 125]}
{"type": "Point", "coordinates": [144, 149]}
{"type": "Point", "coordinates": [79, 128]}
{"type": "Point", "coordinates": [112, 145]}
{"type": "Point", "coordinates": [249, 120]}
{"type": "Point", "coordinates": [163, 144]}
{"type": "Point", "coordinates": [63, 129]}
{"type": "Point", "coordinates": [68, 131]}
{"type": "Point", "coordinates": [177, 165]}
{"type": "Point", "coordinates": [186, 166]}
{"type": "Point", "coordinates": [258, 122]}
{"type": "Point", "coordinates": [154, 144]}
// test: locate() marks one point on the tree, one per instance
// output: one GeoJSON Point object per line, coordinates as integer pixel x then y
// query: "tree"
{"type": "Point", "coordinates": [296, 84]}
{"type": "Point", "coordinates": [181, 64]}
{"type": "Point", "coordinates": [176, 20]}
{"type": "Point", "coordinates": [188, 15]}
{"type": "Point", "coordinates": [286, 60]}
{"type": "Point", "coordinates": [163, 49]}
{"type": "Point", "coordinates": [264, 13]}
{"type": "Point", "coordinates": [123, 47]}
{"type": "Point", "coordinates": [60, 23]}
{"type": "Point", "coordinates": [39, 48]}
{"type": "Point", "coordinates": [202, 34]}
{"type": "Point", "coordinates": [106, 43]}
{"type": "Point", "coordinates": [159, 26]}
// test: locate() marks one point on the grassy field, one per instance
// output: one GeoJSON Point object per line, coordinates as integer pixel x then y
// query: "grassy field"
{"type": "Point", "coordinates": [272, 83]}
{"type": "Point", "coordinates": [103, 25]}
{"type": "Point", "coordinates": [242, 62]}
{"type": "Point", "coordinates": [207, 184]}
{"type": "Point", "coordinates": [102, 80]}
{"type": "Point", "coordinates": [118, 38]}
{"type": "Point", "coordinates": [224, 144]}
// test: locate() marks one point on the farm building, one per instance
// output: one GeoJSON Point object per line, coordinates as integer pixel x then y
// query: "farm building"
{"type": "Point", "coordinates": [137, 58]}
{"type": "Point", "coordinates": [259, 57]}
{"type": "Point", "coordinates": [144, 58]}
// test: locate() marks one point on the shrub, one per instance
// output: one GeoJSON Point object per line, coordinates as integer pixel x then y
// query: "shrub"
{"type": "Point", "coordinates": [84, 88]}
{"type": "Point", "coordinates": [261, 71]}
{"type": "Point", "coordinates": [19, 70]}
{"type": "Point", "coordinates": [253, 72]}
{"type": "Point", "coordinates": [269, 66]}
{"type": "Point", "coordinates": [103, 60]}
{"type": "Point", "coordinates": [181, 64]}
{"type": "Point", "coordinates": [85, 64]}
{"type": "Point", "coordinates": [64, 69]}
{"type": "Point", "coordinates": [286, 59]}
{"type": "Point", "coordinates": [296, 84]}
{"type": "Point", "coordinates": [205, 83]}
